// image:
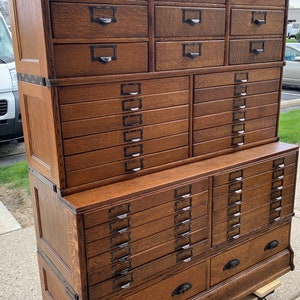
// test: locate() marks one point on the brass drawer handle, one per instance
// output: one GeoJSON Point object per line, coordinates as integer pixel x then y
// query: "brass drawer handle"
{"type": "Point", "coordinates": [231, 264]}
{"type": "Point", "coordinates": [182, 289]}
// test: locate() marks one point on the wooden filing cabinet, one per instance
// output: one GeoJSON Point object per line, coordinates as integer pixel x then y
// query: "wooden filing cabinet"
{"type": "Point", "coordinates": [151, 131]}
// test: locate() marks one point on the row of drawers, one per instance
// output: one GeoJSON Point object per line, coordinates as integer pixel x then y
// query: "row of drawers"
{"type": "Point", "coordinates": [121, 58]}
{"type": "Point", "coordinates": [127, 238]}
{"type": "Point", "coordinates": [128, 21]}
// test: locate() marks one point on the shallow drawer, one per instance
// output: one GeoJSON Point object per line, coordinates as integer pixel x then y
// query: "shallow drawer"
{"type": "Point", "coordinates": [134, 261]}
{"type": "Point", "coordinates": [146, 201]}
{"type": "Point", "coordinates": [129, 281]}
{"type": "Point", "coordinates": [109, 107]}
{"type": "Point", "coordinates": [246, 22]}
{"type": "Point", "coordinates": [90, 159]}
{"type": "Point", "coordinates": [234, 117]}
{"type": "Point", "coordinates": [232, 143]}
{"type": "Point", "coordinates": [126, 169]}
{"type": "Point", "coordinates": [219, 106]}
{"type": "Point", "coordinates": [236, 77]}
{"type": "Point", "coordinates": [165, 215]}
{"type": "Point", "coordinates": [238, 259]}
{"type": "Point", "coordinates": [218, 132]}
{"type": "Point", "coordinates": [100, 59]}
{"type": "Point", "coordinates": [189, 22]}
{"type": "Point", "coordinates": [276, 164]}
{"type": "Point", "coordinates": [189, 54]}
{"type": "Point", "coordinates": [121, 90]}
{"type": "Point", "coordinates": [123, 137]}
{"type": "Point", "coordinates": [255, 51]}
{"type": "Point", "coordinates": [98, 21]}
{"type": "Point", "coordinates": [242, 90]}
{"type": "Point", "coordinates": [253, 3]}
{"type": "Point", "coordinates": [192, 281]}
{"type": "Point", "coordinates": [126, 121]}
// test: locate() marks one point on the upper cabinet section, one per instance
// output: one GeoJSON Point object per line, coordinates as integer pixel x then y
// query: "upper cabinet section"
{"type": "Point", "coordinates": [253, 3]}
{"type": "Point", "coordinates": [96, 21]}
{"type": "Point", "coordinates": [189, 22]}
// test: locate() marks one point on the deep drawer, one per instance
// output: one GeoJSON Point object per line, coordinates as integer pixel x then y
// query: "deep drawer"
{"type": "Point", "coordinates": [189, 54]}
{"type": "Point", "coordinates": [246, 22]}
{"type": "Point", "coordinates": [100, 59]}
{"type": "Point", "coordinates": [236, 77]}
{"type": "Point", "coordinates": [238, 259]}
{"type": "Point", "coordinates": [98, 21]}
{"type": "Point", "coordinates": [255, 51]}
{"type": "Point", "coordinates": [189, 22]}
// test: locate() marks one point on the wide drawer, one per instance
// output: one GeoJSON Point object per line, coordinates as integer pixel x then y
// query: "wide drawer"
{"type": "Point", "coordinates": [214, 107]}
{"type": "Point", "coordinates": [247, 22]}
{"type": "Point", "coordinates": [127, 169]}
{"type": "Point", "coordinates": [100, 59]}
{"type": "Point", "coordinates": [90, 159]}
{"type": "Point", "coordinates": [189, 54]}
{"type": "Point", "coordinates": [136, 277]}
{"type": "Point", "coordinates": [123, 137]}
{"type": "Point", "coordinates": [236, 77]}
{"type": "Point", "coordinates": [233, 143]}
{"type": "Point", "coordinates": [189, 22]}
{"type": "Point", "coordinates": [98, 21]}
{"type": "Point", "coordinates": [253, 3]}
{"type": "Point", "coordinates": [122, 90]}
{"type": "Point", "coordinates": [255, 51]}
{"type": "Point", "coordinates": [146, 201]}
{"type": "Point", "coordinates": [242, 90]}
{"type": "Point", "coordinates": [238, 259]}
{"type": "Point", "coordinates": [125, 121]}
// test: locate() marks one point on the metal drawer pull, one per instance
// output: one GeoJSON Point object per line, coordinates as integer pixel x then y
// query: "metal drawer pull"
{"type": "Point", "coordinates": [186, 208]}
{"type": "Point", "coordinates": [259, 22]}
{"type": "Point", "coordinates": [186, 221]}
{"type": "Point", "coordinates": [244, 80]}
{"type": "Point", "coordinates": [281, 166]}
{"type": "Point", "coordinates": [136, 154]}
{"type": "Point", "coordinates": [236, 214]}
{"type": "Point", "coordinates": [126, 285]}
{"type": "Point", "coordinates": [235, 237]}
{"type": "Point", "coordinates": [123, 245]}
{"type": "Point", "coordinates": [238, 178]}
{"type": "Point", "coordinates": [277, 209]}
{"type": "Point", "coordinates": [187, 246]}
{"type": "Point", "coordinates": [258, 51]}
{"type": "Point", "coordinates": [105, 59]}
{"type": "Point", "coordinates": [122, 230]}
{"type": "Point", "coordinates": [185, 196]}
{"type": "Point", "coordinates": [242, 119]}
{"type": "Point", "coordinates": [123, 272]}
{"type": "Point", "coordinates": [238, 202]}
{"type": "Point", "coordinates": [238, 191]}
{"type": "Point", "coordinates": [241, 132]}
{"type": "Point", "coordinates": [280, 177]}
{"type": "Point", "coordinates": [193, 21]}
{"type": "Point", "coordinates": [133, 93]}
{"type": "Point", "coordinates": [134, 108]}
{"type": "Point", "coordinates": [186, 260]}
{"type": "Point", "coordinates": [242, 106]}
{"type": "Point", "coordinates": [123, 258]}
{"type": "Point", "coordinates": [271, 245]}
{"type": "Point", "coordinates": [182, 289]}
{"type": "Point", "coordinates": [136, 169]}
{"type": "Point", "coordinates": [243, 94]}
{"type": "Point", "coordinates": [136, 140]}
{"type": "Point", "coordinates": [231, 264]}
{"type": "Point", "coordinates": [279, 188]}
{"type": "Point", "coordinates": [104, 21]}
{"type": "Point", "coordinates": [193, 55]}
{"type": "Point", "coordinates": [278, 198]}
{"type": "Point", "coordinates": [240, 144]}
{"type": "Point", "coordinates": [123, 216]}
{"type": "Point", "coordinates": [185, 233]}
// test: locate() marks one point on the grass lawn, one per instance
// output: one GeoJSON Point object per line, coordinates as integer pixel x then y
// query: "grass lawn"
{"type": "Point", "coordinates": [289, 127]}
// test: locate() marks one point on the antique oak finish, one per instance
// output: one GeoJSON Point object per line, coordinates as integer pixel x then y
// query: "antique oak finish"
{"type": "Point", "coordinates": [151, 132]}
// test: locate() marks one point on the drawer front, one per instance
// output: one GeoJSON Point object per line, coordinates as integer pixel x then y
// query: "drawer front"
{"type": "Point", "coordinates": [189, 54]}
{"type": "Point", "coordinates": [189, 22]}
{"type": "Point", "coordinates": [238, 259]}
{"type": "Point", "coordinates": [100, 59]}
{"type": "Point", "coordinates": [247, 22]}
{"type": "Point", "coordinates": [242, 90]}
{"type": "Point", "coordinates": [98, 21]}
{"type": "Point", "coordinates": [147, 201]}
{"type": "Point", "coordinates": [267, 3]}
{"type": "Point", "coordinates": [127, 169]}
{"type": "Point", "coordinates": [126, 121]}
{"type": "Point", "coordinates": [237, 77]}
{"type": "Point", "coordinates": [255, 51]}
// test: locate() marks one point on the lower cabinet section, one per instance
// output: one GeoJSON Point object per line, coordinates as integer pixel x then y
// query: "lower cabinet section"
{"type": "Point", "coordinates": [214, 229]}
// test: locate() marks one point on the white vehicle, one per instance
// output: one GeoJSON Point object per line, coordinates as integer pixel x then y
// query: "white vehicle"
{"type": "Point", "coordinates": [10, 116]}
{"type": "Point", "coordinates": [292, 29]}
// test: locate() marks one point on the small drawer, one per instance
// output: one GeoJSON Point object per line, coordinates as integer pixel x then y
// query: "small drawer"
{"type": "Point", "coordinates": [100, 59]}
{"type": "Point", "coordinates": [189, 54]}
{"type": "Point", "coordinates": [238, 259]}
{"type": "Point", "coordinates": [253, 3]}
{"type": "Point", "coordinates": [246, 22]}
{"type": "Point", "coordinates": [255, 51]}
{"type": "Point", "coordinates": [98, 21]}
{"type": "Point", "coordinates": [189, 22]}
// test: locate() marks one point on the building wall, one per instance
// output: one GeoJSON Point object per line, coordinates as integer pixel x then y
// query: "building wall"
{"type": "Point", "coordinates": [294, 14]}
